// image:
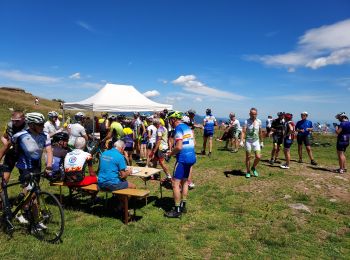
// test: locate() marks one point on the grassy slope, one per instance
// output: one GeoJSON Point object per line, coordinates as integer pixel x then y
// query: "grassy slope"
{"type": "Point", "coordinates": [24, 102]}
{"type": "Point", "coordinates": [229, 217]}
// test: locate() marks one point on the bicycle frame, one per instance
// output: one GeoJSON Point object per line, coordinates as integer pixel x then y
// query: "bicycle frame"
{"type": "Point", "coordinates": [9, 213]}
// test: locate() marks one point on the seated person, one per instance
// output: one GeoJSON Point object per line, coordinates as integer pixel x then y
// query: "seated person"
{"type": "Point", "coordinates": [75, 163]}
{"type": "Point", "coordinates": [59, 150]}
{"type": "Point", "coordinates": [113, 170]}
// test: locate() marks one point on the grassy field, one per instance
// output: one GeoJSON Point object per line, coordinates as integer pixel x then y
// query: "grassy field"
{"type": "Point", "coordinates": [228, 216]}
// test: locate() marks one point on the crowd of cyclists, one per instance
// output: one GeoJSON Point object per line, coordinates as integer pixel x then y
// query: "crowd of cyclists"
{"type": "Point", "coordinates": [148, 139]}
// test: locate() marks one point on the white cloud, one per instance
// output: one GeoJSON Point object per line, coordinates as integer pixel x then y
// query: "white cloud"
{"type": "Point", "coordinates": [85, 25]}
{"type": "Point", "coordinates": [173, 100]}
{"type": "Point", "coordinates": [198, 99]}
{"type": "Point", "coordinates": [75, 76]}
{"type": "Point", "coordinates": [151, 93]}
{"type": "Point", "coordinates": [318, 47]}
{"type": "Point", "coordinates": [92, 85]}
{"type": "Point", "coordinates": [307, 98]}
{"type": "Point", "coordinates": [163, 81]}
{"type": "Point", "coordinates": [191, 84]}
{"type": "Point", "coordinates": [17, 75]}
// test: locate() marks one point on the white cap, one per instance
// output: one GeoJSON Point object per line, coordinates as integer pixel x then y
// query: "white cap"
{"type": "Point", "coordinates": [304, 113]}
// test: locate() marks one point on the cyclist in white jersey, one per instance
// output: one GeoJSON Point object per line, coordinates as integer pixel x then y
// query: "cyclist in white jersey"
{"type": "Point", "coordinates": [76, 130]}
{"type": "Point", "coordinates": [252, 136]}
{"type": "Point", "coordinates": [50, 126]}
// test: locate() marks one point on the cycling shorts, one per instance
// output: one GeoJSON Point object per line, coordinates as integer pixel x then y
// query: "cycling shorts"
{"type": "Point", "coordinates": [111, 187]}
{"type": "Point", "coordinates": [341, 146]}
{"type": "Point", "coordinates": [287, 143]}
{"type": "Point", "coordinates": [303, 139]}
{"type": "Point", "coordinates": [10, 160]}
{"type": "Point", "coordinates": [160, 155]}
{"type": "Point", "coordinates": [150, 146]}
{"type": "Point", "coordinates": [208, 133]}
{"type": "Point", "coordinates": [277, 139]}
{"type": "Point", "coordinates": [252, 146]}
{"type": "Point", "coordinates": [171, 134]}
{"type": "Point", "coordinates": [182, 170]}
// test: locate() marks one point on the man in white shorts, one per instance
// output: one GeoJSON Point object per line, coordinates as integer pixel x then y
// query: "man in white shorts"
{"type": "Point", "coordinates": [252, 136]}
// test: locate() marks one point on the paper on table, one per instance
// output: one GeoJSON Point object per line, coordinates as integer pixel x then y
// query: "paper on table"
{"type": "Point", "coordinates": [135, 171]}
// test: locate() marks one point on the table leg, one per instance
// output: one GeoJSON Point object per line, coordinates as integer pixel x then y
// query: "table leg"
{"type": "Point", "coordinates": [126, 209]}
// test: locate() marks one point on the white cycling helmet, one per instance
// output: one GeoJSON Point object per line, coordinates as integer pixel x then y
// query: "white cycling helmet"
{"type": "Point", "coordinates": [79, 116]}
{"type": "Point", "coordinates": [52, 114]}
{"type": "Point", "coordinates": [185, 119]}
{"type": "Point", "coordinates": [34, 118]}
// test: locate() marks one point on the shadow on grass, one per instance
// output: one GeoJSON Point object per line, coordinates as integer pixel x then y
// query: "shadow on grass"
{"type": "Point", "coordinates": [111, 207]}
{"type": "Point", "coordinates": [320, 168]}
{"type": "Point", "coordinates": [165, 203]}
{"type": "Point", "coordinates": [234, 173]}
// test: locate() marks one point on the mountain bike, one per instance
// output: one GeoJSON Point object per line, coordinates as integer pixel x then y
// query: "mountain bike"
{"type": "Point", "coordinates": [41, 209]}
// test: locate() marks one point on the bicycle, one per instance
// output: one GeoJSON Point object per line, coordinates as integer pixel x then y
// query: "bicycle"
{"type": "Point", "coordinates": [42, 210]}
{"type": "Point", "coordinates": [94, 148]}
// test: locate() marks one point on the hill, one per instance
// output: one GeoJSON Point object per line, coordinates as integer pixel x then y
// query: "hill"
{"type": "Point", "coordinates": [18, 99]}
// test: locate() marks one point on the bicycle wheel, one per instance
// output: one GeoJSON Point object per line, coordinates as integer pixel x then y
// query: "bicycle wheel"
{"type": "Point", "coordinates": [47, 217]}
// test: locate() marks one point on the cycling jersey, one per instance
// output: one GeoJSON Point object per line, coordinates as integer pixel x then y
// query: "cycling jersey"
{"type": "Point", "coordinates": [209, 124]}
{"type": "Point", "coordinates": [252, 129]}
{"type": "Point", "coordinates": [235, 125]}
{"type": "Point", "coordinates": [128, 138]}
{"type": "Point", "coordinates": [162, 135]}
{"type": "Point", "coordinates": [74, 165]}
{"type": "Point", "coordinates": [117, 129]}
{"type": "Point", "coordinates": [50, 128]}
{"type": "Point", "coordinates": [278, 126]}
{"type": "Point", "coordinates": [153, 130]}
{"type": "Point", "coordinates": [187, 154]}
{"type": "Point", "coordinates": [30, 149]}
{"type": "Point", "coordinates": [75, 130]}
{"type": "Point", "coordinates": [303, 125]}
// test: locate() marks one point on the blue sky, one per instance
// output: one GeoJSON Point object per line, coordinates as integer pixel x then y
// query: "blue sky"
{"type": "Point", "coordinates": [227, 55]}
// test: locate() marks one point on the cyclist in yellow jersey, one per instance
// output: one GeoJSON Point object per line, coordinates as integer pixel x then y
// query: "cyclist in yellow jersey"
{"type": "Point", "coordinates": [128, 139]}
{"type": "Point", "coordinates": [115, 130]}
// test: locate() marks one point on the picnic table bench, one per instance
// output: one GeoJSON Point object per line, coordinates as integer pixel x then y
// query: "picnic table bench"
{"type": "Point", "coordinates": [125, 194]}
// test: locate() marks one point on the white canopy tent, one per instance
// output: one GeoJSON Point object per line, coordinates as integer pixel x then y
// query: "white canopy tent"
{"type": "Point", "coordinates": [117, 98]}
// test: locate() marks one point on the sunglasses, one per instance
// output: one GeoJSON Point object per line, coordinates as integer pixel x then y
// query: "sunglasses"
{"type": "Point", "coordinates": [41, 125]}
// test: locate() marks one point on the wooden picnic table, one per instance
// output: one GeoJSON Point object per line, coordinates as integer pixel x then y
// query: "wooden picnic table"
{"type": "Point", "coordinates": [147, 172]}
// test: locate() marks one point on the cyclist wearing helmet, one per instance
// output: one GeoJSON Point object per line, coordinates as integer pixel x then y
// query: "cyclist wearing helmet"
{"type": "Point", "coordinates": [137, 125]}
{"type": "Point", "coordinates": [50, 126]}
{"type": "Point", "coordinates": [277, 132]}
{"type": "Point", "coordinates": [59, 150]}
{"type": "Point", "coordinates": [209, 124]}
{"type": "Point", "coordinates": [185, 159]}
{"type": "Point", "coordinates": [151, 136]}
{"type": "Point", "coordinates": [30, 144]}
{"type": "Point", "coordinates": [288, 138]}
{"type": "Point", "coordinates": [304, 129]}
{"type": "Point", "coordinates": [343, 132]}
{"type": "Point", "coordinates": [188, 121]}
{"type": "Point", "coordinates": [253, 138]}
{"type": "Point", "coordinates": [128, 139]}
{"type": "Point", "coordinates": [77, 129]}
{"type": "Point", "coordinates": [16, 125]}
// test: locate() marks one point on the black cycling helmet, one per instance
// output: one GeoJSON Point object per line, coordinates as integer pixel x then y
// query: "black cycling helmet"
{"type": "Point", "coordinates": [61, 136]}
{"type": "Point", "coordinates": [208, 111]}
{"type": "Point", "coordinates": [112, 117]}
{"type": "Point", "coordinates": [280, 113]}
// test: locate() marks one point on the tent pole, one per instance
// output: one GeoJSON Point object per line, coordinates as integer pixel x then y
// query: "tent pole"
{"type": "Point", "coordinates": [93, 125]}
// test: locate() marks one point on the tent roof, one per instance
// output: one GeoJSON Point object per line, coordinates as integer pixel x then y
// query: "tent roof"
{"type": "Point", "coordinates": [117, 98]}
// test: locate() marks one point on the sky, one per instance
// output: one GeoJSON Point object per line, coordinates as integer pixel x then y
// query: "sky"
{"type": "Point", "coordinates": [229, 56]}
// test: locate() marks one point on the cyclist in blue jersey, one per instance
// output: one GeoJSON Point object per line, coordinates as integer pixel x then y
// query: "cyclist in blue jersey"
{"type": "Point", "coordinates": [30, 144]}
{"type": "Point", "coordinates": [209, 124]}
{"type": "Point", "coordinates": [185, 159]}
{"type": "Point", "coordinates": [343, 136]}
{"type": "Point", "coordinates": [304, 128]}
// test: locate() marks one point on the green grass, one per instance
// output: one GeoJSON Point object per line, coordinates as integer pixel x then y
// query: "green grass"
{"type": "Point", "coordinates": [229, 216]}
